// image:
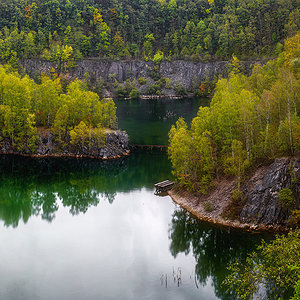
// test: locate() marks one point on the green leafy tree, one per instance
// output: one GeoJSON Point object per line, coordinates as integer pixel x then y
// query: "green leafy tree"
{"type": "Point", "coordinates": [237, 163]}
{"type": "Point", "coordinates": [276, 264]}
{"type": "Point", "coordinates": [180, 150]}
{"type": "Point", "coordinates": [45, 101]}
{"type": "Point", "coordinates": [61, 54]}
{"type": "Point", "coordinates": [148, 45]}
{"type": "Point", "coordinates": [158, 57]}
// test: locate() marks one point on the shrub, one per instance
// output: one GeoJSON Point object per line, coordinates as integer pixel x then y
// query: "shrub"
{"type": "Point", "coordinates": [153, 89]}
{"type": "Point", "coordinates": [180, 90]}
{"type": "Point", "coordinates": [286, 198]}
{"type": "Point", "coordinates": [238, 197]}
{"type": "Point", "coordinates": [233, 210]}
{"type": "Point", "coordinates": [121, 92]}
{"type": "Point", "coordinates": [154, 73]}
{"type": "Point", "coordinates": [168, 83]}
{"type": "Point", "coordinates": [134, 94]}
{"type": "Point", "coordinates": [294, 218]}
{"type": "Point", "coordinates": [158, 57]}
{"type": "Point", "coordinates": [208, 207]}
{"type": "Point", "coordinates": [142, 80]}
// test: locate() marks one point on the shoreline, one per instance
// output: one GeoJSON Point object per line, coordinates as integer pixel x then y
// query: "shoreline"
{"type": "Point", "coordinates": [157, 97]}
{"type": "Point", "coordinates": [115, 146]}
{"type": "Point", "coordinates": [65, 155]}
{"type": "Point", "coordinates": [192, 204]}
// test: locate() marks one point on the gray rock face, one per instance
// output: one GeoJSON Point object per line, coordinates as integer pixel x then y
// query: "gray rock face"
{"type": "Point", "coordinates": [186, 73]}
{"type": "Point", "coordinates": [190, 74]}
{"type": "Point", "coordinates": [116, 145]}
{"type": "Point", "coordinates": [262, 190]}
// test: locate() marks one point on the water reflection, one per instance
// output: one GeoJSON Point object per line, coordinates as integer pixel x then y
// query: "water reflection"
{"type": "Point", "coordinates": [213, 248]}
{"type": "Point", "coordinates": [140, 247]}
{"type": "Point", "coordinates": [35, 186]}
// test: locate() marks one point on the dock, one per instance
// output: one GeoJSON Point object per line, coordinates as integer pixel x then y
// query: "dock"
{"type": "Point", "coordinates": [163, 186]}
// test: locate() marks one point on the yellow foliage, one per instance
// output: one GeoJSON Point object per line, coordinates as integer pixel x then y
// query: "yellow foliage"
{"type": "Point", "coordinates": [292, 49]}
{"type": "Point", "coordinates": [162, 2]}
{"type": "Point", "coordinates": [97, 17]}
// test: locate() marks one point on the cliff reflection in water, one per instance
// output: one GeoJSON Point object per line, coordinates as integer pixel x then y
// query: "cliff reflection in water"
{"type": "Point", "coordinates": [36, 186]}
{"type": "Point", "coordinates": [213, 248]}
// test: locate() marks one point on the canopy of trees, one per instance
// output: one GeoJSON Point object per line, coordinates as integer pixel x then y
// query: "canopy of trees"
{"type": "Point", "coordinates": [26, 106]}
{"type": "Point", "coordinates": [250, 118]}
{"type": "Point", "coordinates": [201, 29]}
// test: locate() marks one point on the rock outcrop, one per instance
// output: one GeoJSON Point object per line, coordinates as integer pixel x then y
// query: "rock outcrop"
{"type": "Point", "coordinates": [261, 192]}
{"type": "Point", "coordinates": [185, 73]}
{"type": "Point", "coordinates": [116, 145]}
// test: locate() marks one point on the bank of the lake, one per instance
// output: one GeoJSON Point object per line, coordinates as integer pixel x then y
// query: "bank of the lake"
{"type": "Point", "coordinates": [195, 205]}
{"type": "Point", "coordinates": [116, 145]}
{"type": "Point", "coordinates": [260, 210]}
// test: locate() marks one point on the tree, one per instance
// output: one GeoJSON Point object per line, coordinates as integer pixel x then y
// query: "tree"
{"type": "Point", "coordinates": [237, 163]}
{"type": "Point", "coordinates": [118, 45]}
{"type": "Point", "coordinates": [61, 54]}
{"type": "Point", "coordinates": [148, 45]}
{"type": "Point", "coordinates": [80, 135]}
{"type": "Point", "coordinates": [20, 128]}
{"type": "Point", "coordinates": [83, 136]}
{"type": "Point", "coordinates": [158, 57]}
{"type": "Point", "coordinates": [275, 264]}
{"type": "Point", "coordinates": [180, 151]}
{"type": "Point", "coordinates": [45, 101]}
{"type": "Point", "coordinates": [249, 118]}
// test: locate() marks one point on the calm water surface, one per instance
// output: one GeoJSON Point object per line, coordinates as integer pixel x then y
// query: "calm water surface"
{"type": "Point", "coordinates": [149, 121]}
{"type": "Point", "coordinates": [87, 229]}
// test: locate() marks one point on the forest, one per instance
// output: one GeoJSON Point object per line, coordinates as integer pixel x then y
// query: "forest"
{"type": "Point", "coordinates": [67, 30]}
{"type": "Point", "coordinates": [71, 113]}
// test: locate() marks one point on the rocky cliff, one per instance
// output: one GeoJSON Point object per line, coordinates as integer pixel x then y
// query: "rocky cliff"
{"type": "Point", "coordinates": [261, 192]}
{"type": "Point", "coordinates": [185, 73]}
{"type": "Point", "coordinates": [116, 145]}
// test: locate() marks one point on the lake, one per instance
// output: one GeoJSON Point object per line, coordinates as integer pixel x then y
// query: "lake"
{"type": "Point", "coordinates": [91, 229]}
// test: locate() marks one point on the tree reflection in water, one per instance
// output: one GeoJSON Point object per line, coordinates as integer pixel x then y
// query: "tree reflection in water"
{"type": "Point", "coordinates": [34, 186]}
{"type": "Point", "coordinates": [213, 247]}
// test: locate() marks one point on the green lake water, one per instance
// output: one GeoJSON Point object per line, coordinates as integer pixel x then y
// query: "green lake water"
{"type": "Point", "coordinates": [91, 229]}
{"type": "Point", "coordinates": [149, 121]}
